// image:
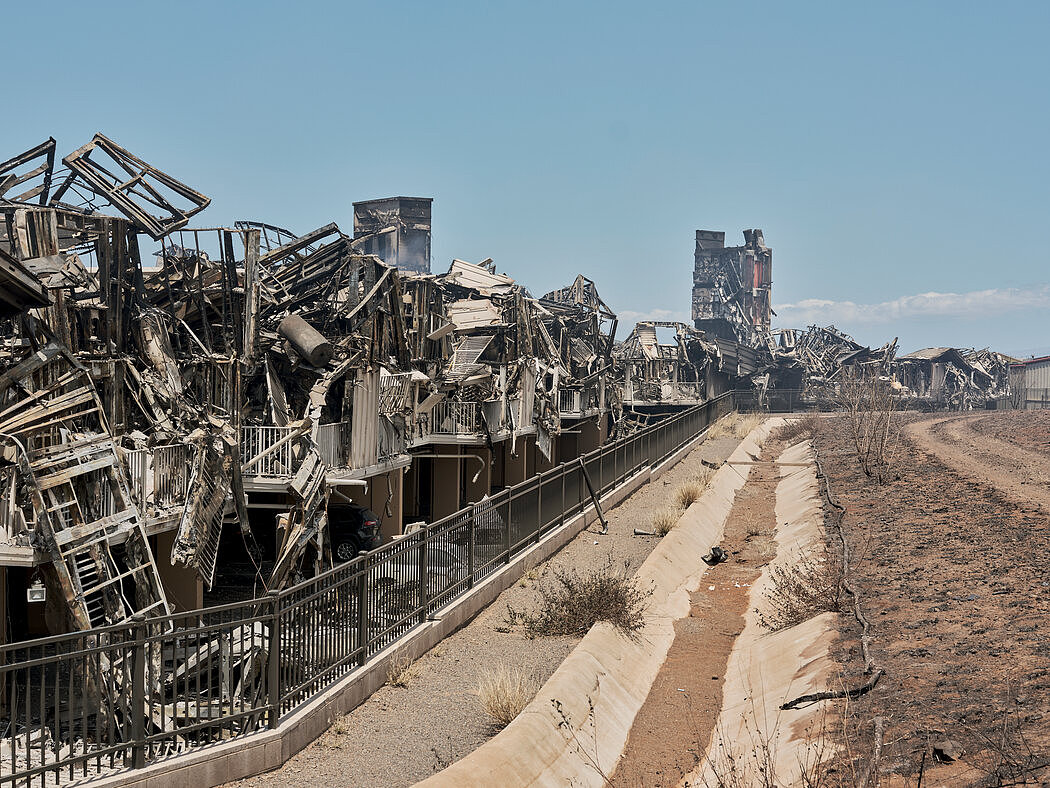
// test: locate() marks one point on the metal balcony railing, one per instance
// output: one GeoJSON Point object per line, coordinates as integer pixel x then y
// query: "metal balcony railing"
{"type": "Point", "coordinates": [159, 476]}
{"type": "Point", "coordinates": [570, 401]}
{"type": "Point", "coordinates": [278, 463]}
{"type": "Point", "coordinates": [451, 418]}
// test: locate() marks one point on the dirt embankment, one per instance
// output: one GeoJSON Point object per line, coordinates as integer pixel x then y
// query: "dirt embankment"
{"type": "Point", "coordinates": [953, 562]}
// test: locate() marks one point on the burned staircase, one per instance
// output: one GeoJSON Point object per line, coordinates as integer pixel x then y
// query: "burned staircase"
{"type": "Point", "coordinates": [84, 509]}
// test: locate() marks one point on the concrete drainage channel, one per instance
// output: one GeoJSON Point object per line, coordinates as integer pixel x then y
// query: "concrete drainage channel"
{"type": "Point", "coordinates": [768, 669]}
{"type": "Point", "coordinates": [595, 695]}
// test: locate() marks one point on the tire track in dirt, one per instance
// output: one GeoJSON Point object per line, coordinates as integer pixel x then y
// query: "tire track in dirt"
{"type": "Point", "coordinates": [1019, 474]}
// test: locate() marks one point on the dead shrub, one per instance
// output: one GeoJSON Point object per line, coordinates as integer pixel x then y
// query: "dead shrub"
{"type": "Point", "coordinates": [687, 494]}
{"type": "Point", "coordinates": [703, 476]}
{"type": "Point", "coordinates": [400, 670]}
{"type": "Point", "coordinates": [746, 423]}
{"type": "Point", "coordinates": [872, 421]}
{"type": "Point", "coordinates": [799, 429]}
{"type": "Point", "coordinates": [721, 428]}
{"type": "Point", "coordinates": [570, 603]}
{"type": "Point", "coordinates": [504, 691]}
{"type": "Point", "coordinates": [803, 589]}
{"type": "Point", "coordinates": [664, 520]}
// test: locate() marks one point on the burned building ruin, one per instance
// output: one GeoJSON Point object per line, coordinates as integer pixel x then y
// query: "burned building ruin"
{"type": "Point", "coordinates": [731, 287]}
{"type": "Point", "coordinates": [396, 230]}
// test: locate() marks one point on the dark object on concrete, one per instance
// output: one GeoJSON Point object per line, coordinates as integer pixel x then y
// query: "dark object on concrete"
{"type": "Point", "coordinates": [716, 556]}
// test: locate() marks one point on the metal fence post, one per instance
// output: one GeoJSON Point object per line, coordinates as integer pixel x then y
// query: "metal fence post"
{"type": "Point", "coordinates": [138, 692]}
{"type": "Point", "coordinates": [362, 609]}
{"type": "Point", "coordinates": [273, 660]}
{"type": "Point", "coordinates": [506, 532]}
{"type": "Point", "coordinates": [424, 578]}
{"type": "Point", "coordinates": [539, 507]}
{"type": "Point", "coordinates": [471, 546]}
{"type": "Point", "coordinates": [562, 474]}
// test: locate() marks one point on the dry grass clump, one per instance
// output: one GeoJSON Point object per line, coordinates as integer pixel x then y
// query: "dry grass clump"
{"type": "Point", "coordinates": [664, 520]}
{"type": "Point", "coordinates": [687, 494]}
{"type": "Point", "coordinates": [799, 591]}
{"type": "Point", "coordinates": [504, 691]}
{"type": "Point", "coordinates": [703, 476]}
{"type": "Point", "coordinates": [570, 603]}
{"type": "Point", "coordinates": [735, 425]}
{"type": "Point", "coordinates": [799, 429]}
{"type": "Point", "coordinates": [722, 428]}
{"type": "Point", "coordinates": [747, 422]}
{"type": "Point", "coordinates": [753, 529]}
{"type": "Point", "coordinates": [532, 575]}
{"type": "Point", "coordinates": [400, 670]}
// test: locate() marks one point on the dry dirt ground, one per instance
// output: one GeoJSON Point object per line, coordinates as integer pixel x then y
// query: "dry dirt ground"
{"type": "Point", "coordinates": [403, 734]}
{"type": "Point", "coordinates": [952, 559]}
{"type": "Point", "coordinates": [676, 721]}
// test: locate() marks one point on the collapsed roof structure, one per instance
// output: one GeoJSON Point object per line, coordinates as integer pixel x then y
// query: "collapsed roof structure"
{"type": "Point", "coordinates": [815, 360]}
{"type": "Point", "coordinates": [175, 398]}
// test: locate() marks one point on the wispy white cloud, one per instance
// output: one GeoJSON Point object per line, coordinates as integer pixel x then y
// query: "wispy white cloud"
{"type": "Point", "coordinates": [628, 317]}
{"type": "Point", "coordinates": [975, 304]}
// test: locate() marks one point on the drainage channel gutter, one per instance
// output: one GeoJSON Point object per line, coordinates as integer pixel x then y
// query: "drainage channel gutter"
{"type": "Point", "coordinates": [753, 735]}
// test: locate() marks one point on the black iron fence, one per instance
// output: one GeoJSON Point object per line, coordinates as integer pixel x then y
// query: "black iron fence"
{"type": "Point", "coordinates": [85, 703]}
{"type": "Point", "coordinates": [782, 401]}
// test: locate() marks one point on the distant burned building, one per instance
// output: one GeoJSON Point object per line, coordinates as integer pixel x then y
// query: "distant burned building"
{"type": "Point", "coordinates": [396, 230]}
{"type": "Point", "coordinates": [1030, 384]}
{"type": "Point", "coordinates": [731, 286]}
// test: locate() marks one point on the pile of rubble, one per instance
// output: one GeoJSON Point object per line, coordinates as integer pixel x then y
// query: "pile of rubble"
{"type": "Point", "coordinates": [815, 361]}
{"type": "Point", "coordinates": [140, 396]}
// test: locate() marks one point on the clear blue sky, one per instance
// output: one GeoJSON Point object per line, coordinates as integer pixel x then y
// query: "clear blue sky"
{"type": "Point", "coordinates": [887, 150]}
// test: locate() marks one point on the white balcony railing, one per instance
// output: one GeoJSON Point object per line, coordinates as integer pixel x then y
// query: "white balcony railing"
{"type": "Point", "coordinates": [256, 440]}
{"type": "Point", "coordinates": [159, 477]}
{"type": "Point", "coordinates": [171, 474]}
{"type": "Point", "coordinates": [138, 473]}
{"type": "Point", "coordinates": [333, 444]}
{"type": "Point", "coordinates": [569, 401]}
{"type": "Point", "coordinates": [451, 418]}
